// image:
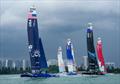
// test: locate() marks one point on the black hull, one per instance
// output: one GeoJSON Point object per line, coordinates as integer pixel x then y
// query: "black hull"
{"type": "Point", "coordinates": [93, 73]}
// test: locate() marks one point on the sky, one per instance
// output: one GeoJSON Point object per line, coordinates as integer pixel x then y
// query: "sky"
{"type": "Point", "coordinates": [59, 20]}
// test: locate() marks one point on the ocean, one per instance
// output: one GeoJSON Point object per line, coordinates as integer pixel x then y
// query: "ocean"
{"type": "Point", "coordinates": [79, 79]}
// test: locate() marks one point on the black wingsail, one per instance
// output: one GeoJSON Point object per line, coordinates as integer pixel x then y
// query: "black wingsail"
{"type": "Point", "coordinates": [92, 60]}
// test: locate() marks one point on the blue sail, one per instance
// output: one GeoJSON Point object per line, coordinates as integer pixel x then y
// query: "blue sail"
{"type": "Point", "coordinates": [70, 56]}
{"type": "Point", "coordinates": [43, 62]}
{"type": "Point", "coordinates": [37, 55]}
{"type": "Point", "coordinates": [69, 52]}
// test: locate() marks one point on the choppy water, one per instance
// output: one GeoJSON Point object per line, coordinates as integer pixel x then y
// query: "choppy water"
{"type": "Point", "coordinates": [106, 79]}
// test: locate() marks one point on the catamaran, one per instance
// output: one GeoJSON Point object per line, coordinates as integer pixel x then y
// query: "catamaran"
{"type": "Point", "coordinates": [94, 63]}
{"type": "Point", "coordinates": [61, 66]}
{"type": "Point", "coordinates": [70, 58]}
{"type": "Point", "coordinates": [101, 61]}
{"type": "Point", "coordinates": [36, 51]}
{"type": "Point", "coordinates": [92, 59]}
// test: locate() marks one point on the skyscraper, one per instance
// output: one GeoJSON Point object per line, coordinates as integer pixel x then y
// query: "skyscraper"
{"type": "Point", "coordinates": [85, 62]}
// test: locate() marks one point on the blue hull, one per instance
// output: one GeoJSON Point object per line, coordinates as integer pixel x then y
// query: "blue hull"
{"type": "Point", "coordinates": [72, 73]}
{"type": "Point", "coordinates": [42, 75]}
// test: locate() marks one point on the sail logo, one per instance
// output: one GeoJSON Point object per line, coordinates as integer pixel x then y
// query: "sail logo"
{"type": "Point", "coordinates": [30, 47]}
{"type": "Point", "coordinates": [37, 53]}
{"type": "Point", "coordinates": [91, 54]}
{"type": "Point", "coordinates": [30, 23]}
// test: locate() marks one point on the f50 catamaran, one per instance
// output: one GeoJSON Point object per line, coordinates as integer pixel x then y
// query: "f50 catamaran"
{"type": "Point", "coordinates": [92, 59]}
{"type": "Point", "coordinates": [95, 65]}
{"type": "Point", "coordinates": [70, 58]}
{"type": "Point", "coordinates": [36, 51]}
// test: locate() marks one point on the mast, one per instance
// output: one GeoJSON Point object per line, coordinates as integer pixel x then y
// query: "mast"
{"type": "Point", "coordinates": [70, 56]}
{"type": "Point", "coordinates": [101, 61]}
{"type": "Point", "coordinates": [35, 47]}
{"type": "Point", "coordinates": [92, 60]}
{"type": "Point", "coordinates": [60, 60]}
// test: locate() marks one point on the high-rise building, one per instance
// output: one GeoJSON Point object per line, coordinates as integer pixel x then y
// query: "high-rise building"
{"type": "Point", "coordinates": [52, 62]}
{"type": "Point", "coordinates": [110, 65]}
{"type": "Point", "coordinates": [10, 64]}
{"type": "Point", "coordinates": [14, 65]}
{"type": "Point", "coordinates": [18, 64]}
{"type": "Point", "coordinates": [24, 64]}
{"type": "Point", "coordinates": [7, 63]}
{"type": "Point", "coordinates": [0, 64]}
{"type": "Point", "coordinates": [85, 62]}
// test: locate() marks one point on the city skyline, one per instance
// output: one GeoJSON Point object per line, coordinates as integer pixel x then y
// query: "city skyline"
{"type": "Point", "coordinates": [58, 21]}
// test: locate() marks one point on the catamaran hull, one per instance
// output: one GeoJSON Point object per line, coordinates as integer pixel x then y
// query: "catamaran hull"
{"type": "Point", "coordinates": [71, 73]}
{"type": "Point", "coordinates": [39, 75]}
{"type": "Point", "coordinates": [93, 73]}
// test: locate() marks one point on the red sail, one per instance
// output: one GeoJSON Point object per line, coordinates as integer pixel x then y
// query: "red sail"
{"type": "Point", "coordinates": [101, 62]}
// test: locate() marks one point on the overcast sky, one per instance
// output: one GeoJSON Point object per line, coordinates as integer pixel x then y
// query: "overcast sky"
{"type": "Point", "coordinates": [58, 21]}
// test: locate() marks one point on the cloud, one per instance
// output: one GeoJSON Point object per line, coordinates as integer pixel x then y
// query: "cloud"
{"type": "Point", "coordinates": [8, 18]}
{"type": "Point", "coordinates": [52, 12]}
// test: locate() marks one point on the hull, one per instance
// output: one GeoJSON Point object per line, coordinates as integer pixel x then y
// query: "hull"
{"type": "Point", "coordinates": [93, 73]}
{"type": "Point", "coordinates": [71, 73]}
{"type": "Point", "coordinates": [41, 75]}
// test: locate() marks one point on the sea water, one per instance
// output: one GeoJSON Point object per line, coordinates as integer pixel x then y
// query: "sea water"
{"type": "Point", "coordinates": [77, 79]}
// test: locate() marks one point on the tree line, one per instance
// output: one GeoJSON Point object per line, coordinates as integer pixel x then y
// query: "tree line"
{"type": "Point", "coordinates": [50, 69]}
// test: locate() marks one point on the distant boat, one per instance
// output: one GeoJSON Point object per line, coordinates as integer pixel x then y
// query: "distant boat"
{"type": "Point", "coordinates": [70, 58]}
{"type": "Point", "coordinates": [101, 61]}
{"type": "Point", "coordinates": [36, 51]}
{"type": "Point", "coordinates": [60, 61]}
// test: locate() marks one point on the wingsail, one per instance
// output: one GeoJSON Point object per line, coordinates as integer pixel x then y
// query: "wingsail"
{"type": "Point", "coordinates": [60, 61]}
{"type": "Point", "coordinates": [70, 56]}
{"type": "Point", "coordinates": [101, 61]}
{"type": "Point", "coordinates": [92, 60]}
{"type": "Point", "coordinates": [35, 46]}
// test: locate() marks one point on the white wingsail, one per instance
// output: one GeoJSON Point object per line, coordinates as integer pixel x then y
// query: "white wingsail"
{"type": "Point", "coordinates": [74, 65]}
{"type": "Point", "coordinates": [60, 61]}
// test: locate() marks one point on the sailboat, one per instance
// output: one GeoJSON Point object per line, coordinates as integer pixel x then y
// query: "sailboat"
{"type": "Point", "coordinates": [70, 58]}
{"type": "Point", "coordinates": [61, 66]}
{"type": "Point", "coordinates": [35, 47]}
{"type": "Point", "coordinates": [92, 59]}
{"type": "Point", "coordinates": [101, 62]}
{"type": "Point", "coordinates": [60, 61]}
